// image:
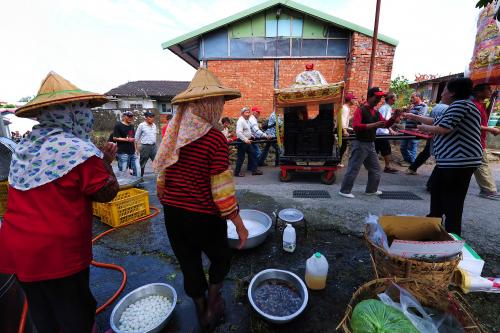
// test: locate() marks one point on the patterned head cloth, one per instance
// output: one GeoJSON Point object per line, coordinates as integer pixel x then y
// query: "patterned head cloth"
{"type": "Point", "coordinates": [58, 144]}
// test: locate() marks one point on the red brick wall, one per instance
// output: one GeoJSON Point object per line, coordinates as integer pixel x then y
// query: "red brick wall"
{"type": "Point", "coordinates": [359, 65]}
{"type": "Point", "coordinates": [332, 69]}
{"type": "Point", "coordinates": [255, 78]}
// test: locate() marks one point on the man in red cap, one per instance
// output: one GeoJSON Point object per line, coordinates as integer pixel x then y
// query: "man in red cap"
{"type": "Point", "coordinates": [257, 133]}
{"type": "Point", "coordinates": [365, 123]}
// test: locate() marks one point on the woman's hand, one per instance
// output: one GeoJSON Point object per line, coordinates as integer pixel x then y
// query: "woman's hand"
{"type": "Point", "coordinates": [495, 131]}
{"type": "Point", "coordinates": [240, 230]}
{"type": "Point", "coordinates": [409, 115]}
{"type": "Point", "coordinates": [109, 152]}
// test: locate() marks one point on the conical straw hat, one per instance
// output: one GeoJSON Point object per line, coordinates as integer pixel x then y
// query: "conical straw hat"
{"type": "Point", "coordinates": [57, 90]}
{"type": "Point", "coordinates": [205, 84]}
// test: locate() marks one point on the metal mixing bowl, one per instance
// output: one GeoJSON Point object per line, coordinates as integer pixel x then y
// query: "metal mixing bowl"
{"type": "Point", "coordinates": [257, 239]}
{"type": "Point", "coordinates": [277, 274]}
{"type": "Point", "coordinates": [152, 289]}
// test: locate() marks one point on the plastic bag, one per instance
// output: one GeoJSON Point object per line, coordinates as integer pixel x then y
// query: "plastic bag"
{"type": "Point", "coordinates": [424, 321]}
{"type": "Point", "coordinates": [376, 233]}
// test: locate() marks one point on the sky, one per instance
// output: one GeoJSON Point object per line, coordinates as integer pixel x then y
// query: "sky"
{"type": "Point", "coordinates": [101, 44]}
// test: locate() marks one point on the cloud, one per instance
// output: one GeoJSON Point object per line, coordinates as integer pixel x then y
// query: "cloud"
{"type": "Point", "coordinates": [100, 44]}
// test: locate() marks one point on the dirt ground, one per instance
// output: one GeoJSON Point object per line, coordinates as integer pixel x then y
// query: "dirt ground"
{"type": "Point", "coordinates": [144, 251]}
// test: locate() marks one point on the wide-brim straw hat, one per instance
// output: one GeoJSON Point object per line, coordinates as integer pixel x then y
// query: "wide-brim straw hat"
{"type": "Point", "coordinates": [205, 84]}
{"type": "Point", "coordinates": [57, 90]}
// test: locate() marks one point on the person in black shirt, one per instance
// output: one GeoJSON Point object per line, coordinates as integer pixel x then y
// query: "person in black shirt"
{"type": "Point", "coordinates": [123, 135]}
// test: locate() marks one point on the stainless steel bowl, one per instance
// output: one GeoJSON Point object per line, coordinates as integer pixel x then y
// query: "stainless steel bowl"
{"type": "Point", "coordinates": [248, 215]}
{"type": "Point", "coordinates": [277, 274]}
{"type": "Point", "coordinates": [152, 289]}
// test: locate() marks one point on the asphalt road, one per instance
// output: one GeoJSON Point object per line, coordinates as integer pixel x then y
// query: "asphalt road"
{"type": "Point", "coordinates": [481, 218]}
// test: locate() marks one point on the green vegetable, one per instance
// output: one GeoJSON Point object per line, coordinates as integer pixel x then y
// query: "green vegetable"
{"type": "Point", "coordinates": [373, 316]}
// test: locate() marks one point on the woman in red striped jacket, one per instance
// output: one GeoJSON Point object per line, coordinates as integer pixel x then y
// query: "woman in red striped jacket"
{"type": "Point", "coordinates": [196, 187]}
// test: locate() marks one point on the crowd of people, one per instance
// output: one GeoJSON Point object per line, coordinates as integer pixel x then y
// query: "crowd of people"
{"type": "Point", "coordinates": [17, 137]}
{"type": "Point", "coordinates": [458, 125]}
{"type": "Point", "coordinates": [57, 172]}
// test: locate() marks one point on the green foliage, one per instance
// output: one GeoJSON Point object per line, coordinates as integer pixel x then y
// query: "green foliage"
{"type": "Point", "coordinates": [401, 87]}
{"type": "Point", "coordinates": [8, 106]}
{"type": "Point", "coordinates": [483, 3]}
{"type": "Point", "coordinates": [26, 99]}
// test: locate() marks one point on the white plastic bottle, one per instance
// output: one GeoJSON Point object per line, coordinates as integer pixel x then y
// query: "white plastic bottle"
{"type": "Point", "coordinates": [316, 271]}
{"type": "Point", "coordinates": [289, 238]}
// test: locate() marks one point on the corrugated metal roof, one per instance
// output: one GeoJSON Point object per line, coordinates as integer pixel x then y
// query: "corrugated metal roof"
{"type": "Point", "coordinates": [149, 89]}
{"type": "Point", "coordinates": [290, 4]}
{"type": "Point", "coordinates": [437, 79]}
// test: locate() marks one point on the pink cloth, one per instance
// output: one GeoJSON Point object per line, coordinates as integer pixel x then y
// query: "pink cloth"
{"type": "Point", "coordinates": [191, 121]}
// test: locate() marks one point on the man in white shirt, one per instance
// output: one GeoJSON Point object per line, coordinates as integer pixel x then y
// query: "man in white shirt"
{"type": "Point", "coordinates": [145, 139]}
{"type": "Point", "coordinates": [383, 146]}
{"type": "Point", "coordinates": [244, 145]}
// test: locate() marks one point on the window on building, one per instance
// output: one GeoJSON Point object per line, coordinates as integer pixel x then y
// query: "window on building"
{"type": "Point", "coordinates": [264, 47]}
{"type": "Point", "coordinates": [283, 26]}
{"type": "Point", "coordinates": [313, 47]}
{"type": "Point", "coordinates": [336, 32]}
{"type": "Point", "coordinates": [136, 106]}
{"type": "Point", "coordinates": [165, 108]}
{"type": "Point", "coordinates": [291, 34]}
{"type": "Point", "coordinates": [241, 48]}
{"type": "Point", "coordinates": [283, 45]}
{"type": "Point", "coordinates": [338, 47]}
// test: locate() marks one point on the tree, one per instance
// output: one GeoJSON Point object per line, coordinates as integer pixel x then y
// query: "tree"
{"type": "Point", "coordinates": [483, 3]}
{"type": "Point", "coordinates": [26, 99]}
{"type": "Point", "coordinates": [401, 87]}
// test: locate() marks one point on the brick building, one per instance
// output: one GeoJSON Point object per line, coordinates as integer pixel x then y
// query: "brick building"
{"type": "Point", "coordinates": [266, 46]}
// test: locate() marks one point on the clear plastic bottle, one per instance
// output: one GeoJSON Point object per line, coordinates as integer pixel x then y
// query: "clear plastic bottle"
{"type": "Point", "coordinates": [289, 238]}
{"type": "Point", "coordinates": [316, 271]}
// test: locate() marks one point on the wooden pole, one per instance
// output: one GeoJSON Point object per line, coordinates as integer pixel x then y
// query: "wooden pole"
{"type": "Point", "coordinates": [374, 45]}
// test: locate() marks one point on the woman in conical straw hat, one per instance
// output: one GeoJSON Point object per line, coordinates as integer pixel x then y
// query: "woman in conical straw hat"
{"type": "Point", "coordinates": [46, 234]}
{"type": "Point", "coordinates": [196, 188]}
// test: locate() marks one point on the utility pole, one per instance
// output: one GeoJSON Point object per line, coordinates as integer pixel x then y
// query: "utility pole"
{"type": "Point", "coordinates": [374, 45]}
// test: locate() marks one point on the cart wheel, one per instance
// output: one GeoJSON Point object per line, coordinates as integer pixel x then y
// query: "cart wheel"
{"type": "Point", "coordinates": [328, 177]}
{"type": "Point", "coordinates": [286, 177]}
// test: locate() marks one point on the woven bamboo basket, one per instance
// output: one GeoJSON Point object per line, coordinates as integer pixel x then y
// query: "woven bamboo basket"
{"type": "Point", "coordinates": [425, 293]}
{"type": "Point", "coordinates": [387, 265]}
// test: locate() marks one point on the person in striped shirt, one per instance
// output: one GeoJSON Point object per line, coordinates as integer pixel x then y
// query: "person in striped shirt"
{"type": "Point", "coordinates": [197, 190]}
{"type": "Point", "coordinates": [457, 149]}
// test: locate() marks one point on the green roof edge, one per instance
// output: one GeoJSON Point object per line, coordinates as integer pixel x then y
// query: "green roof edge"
{"type": "Point", "coordinates": [292, 4]}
